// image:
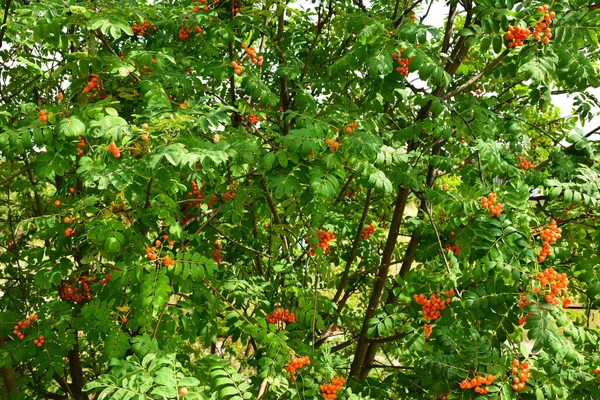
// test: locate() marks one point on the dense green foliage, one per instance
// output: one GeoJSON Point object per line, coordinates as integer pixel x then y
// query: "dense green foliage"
{"type": "Point", "coordinates": [172, 174]}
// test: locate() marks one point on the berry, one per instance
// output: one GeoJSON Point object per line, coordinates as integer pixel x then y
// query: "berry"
{"type": "Point", "coordinates": [490, 203]}
{"type": "Point", "coordinates": [367, 231]}
{"type": "Point", "coordinates": [279, 315]}
{"type": "Point", "coordinates": [324, 239]}
{"type": "Point", "coordinates": [56, 203]}
{"type": "Point", "coordinates": [183, 391]}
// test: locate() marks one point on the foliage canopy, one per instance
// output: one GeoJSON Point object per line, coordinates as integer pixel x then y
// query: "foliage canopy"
{"type": "Point", "coordinates": [242, 200]}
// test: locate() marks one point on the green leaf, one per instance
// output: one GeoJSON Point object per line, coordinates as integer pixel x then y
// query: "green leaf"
{"type": "Point", "coordinates": [71, 127]}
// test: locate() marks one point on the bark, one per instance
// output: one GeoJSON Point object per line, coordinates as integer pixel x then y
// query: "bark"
{"type": "Point", "coordinates": [381, 279]}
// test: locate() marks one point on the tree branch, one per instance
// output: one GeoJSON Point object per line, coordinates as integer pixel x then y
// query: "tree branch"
{"type": "Point", "coordinates": [355, 244]}
{"type": "Point", "coordinates": [475, 78]}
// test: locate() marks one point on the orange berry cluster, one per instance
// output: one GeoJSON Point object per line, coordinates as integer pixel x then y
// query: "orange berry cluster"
{"type": "Point", "coordinates": [403, 68]}
{"type": "Point", "coordinates": [550, 235]}
{"type": "Point", "coordinates": [427, 329]}
{"type": "Point", "coordinates": [216, 254]}
{"type": "Point", "coordinates": [92, 84]}
{"type": "Point", "coordinates": [236, 67]}
{"type": "Point", "coordinates": [324, 238]}
{"type": "Point", "coordinates": [151, 253]}
{"type": "Point", "coordinates": [80, 146]}
{"type": "Point", "coordinates": [141, 30]}
{"type": "Point", "coordinates": [280, 315]}
{"type": "Point", "coordinates": [43, 116]}
{"type": "Point", "coordinates": [516, 36]}
{"type": "Point", "coordinates": [454, 249]}
{"type": "Point", "coordinates": [72, 293]}
{"type": "Point", "coordinates": [350, 127]}
{"type": "Point", "coordinates": [558, 285]}
{"type": "Point", "coordinates": [332, 144]}
{"type": "Point", "coordinates": [367, 231]}
{"type": "Point", "coordinates": [21, 325]}
{"type": "Point", "coordinates": [329, 390]}
{"type": "Point", "coordinates": [520, 374]}
{"type": "Point", "coordinates": [490, 203]}
{"type": "Point", "coordinates": [297, 363]}
{"type": "Point", "coordinates": [431, 308]}
{"type": "Point", "coordinates": [544, 26]}
{"type": "Point", "coordinates": [168, 262]}
{"type": "Point", "coordinates": [39, 341]}
{"type": "Point", "coordinates": [524, 164]}
{"type": "Point", "coordinates": [523, 302]}
{"type": "Point", "coordinates": [476, 383]}
{"type": "Point", "coordinates": [195, 191]}
{"type": "Point", "coordinates": [251, 51]}
{"type": "Point", "coordinates": [253, 119]}
{"type": "Point", "coordinates": [114, 150]}
{"type": "Point", "coordinates": [69, 232]}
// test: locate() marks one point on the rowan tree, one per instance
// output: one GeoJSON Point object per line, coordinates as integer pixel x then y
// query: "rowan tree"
{"type": "Point", "coordinates": [223, 199]}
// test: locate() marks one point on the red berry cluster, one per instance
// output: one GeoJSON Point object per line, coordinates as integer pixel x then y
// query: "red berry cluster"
{"type": "Point", "coordinates": [520, 374]}
{"type": "Point", "coordinates": [543, 25]}
{"type": "Point", "coordinates": [43, 116]}
{"type": "Point", "coordinates": [550, 235]}
{"type": "Point", "coordinates": [329, 390]}
{"type": "Point", "coordinates": [114, 150]}
{"type": "Point", "coordinates": [141, 29]}
{"type": "Point", "coordinates": [39, 341]}
{"type": "Point", "coordinates": [280, 315]}
{"type": "Point", "coordinates": [427, 329]}
{"type": "Point", "coordinates": [105, 280]}
{"type": "Point", "coordinates": [490, 203]}
{"type": "Point", "coordinates": [350, 127]}
{"type": "Point", "coordinates": [185, 31]}
{"type": "Point", "coordinates": [524, 164]}
{"type": "Point", "coordinates": [21, 325]}
{"type": "Point", "coordinates": [558, 285]}
{"type": "Point", "coordinates": [80, 146]}
{"type": "Point", "coordinates": [228, 195]}
{"type": "Point", "coordinates": [295, 364]}
{"type": "Point", "coordinates": [477, 382]}
{"type": "Point", "coordinates": [74, 293]}
{"type": "Point", "coordinates": [251, 51]}
{"type": "Point", "coordinates": [205, 8]}
{"type": "Point", "coordinates": [403, 68]}
{"type": "Point", "coordinates": [253, 119]}
{"type": "Point", "coordinates": [516, 36]}
{"type": "Point", "coordinates": [332, 144]}
{"type": "Point", "coordinates": [431, 308]}
{"type": "Point", "coordinates": [92, 84]}
{"type": "Point", "coordinates": [324, 238]}
{"type": "Point", "coordinates": [69, 232]}
{"type": "Point", "coordinates": [367, 231]}
{"type": "Point", "coordinates": [216, 254]}
{"type": "Point", "coordinates": [453, 248]}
